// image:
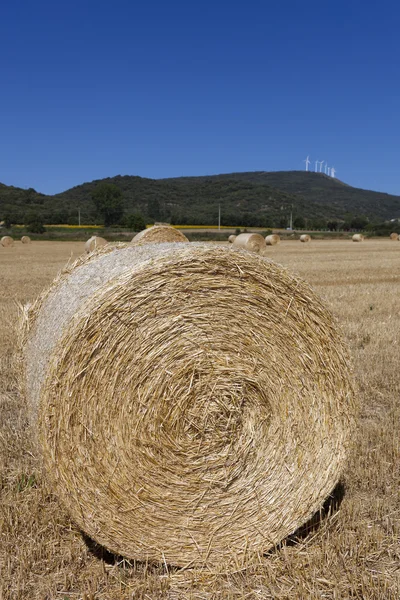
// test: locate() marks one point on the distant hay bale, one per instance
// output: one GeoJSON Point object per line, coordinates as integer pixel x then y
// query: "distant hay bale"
{"type": "Point", "coordinates": [94, 243]}
{"type": "Point", "coordinates": [272, 240]}
{"type": "Point", "coordinates": [253, 242]}
{"type": "Point", "coordinates": [26, 239]}
{"type": "Point", "coordinates": [305, 238]}
{"type": "Point", "coordinates": [394, 236]}
{"type": "Point", "coordinates": [166, 442]}
{"type": "Point", "coordinates": [358, 237]}
{"type": "Point", "coordinates": [232, 238]}
{"type": "Point", "coordinates": [159, 234]}
{"type": "Point", "coordinates": [7, 241]}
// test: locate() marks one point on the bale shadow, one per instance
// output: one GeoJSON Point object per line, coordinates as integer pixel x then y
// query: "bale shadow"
{"type": "Point", "coordinates": [102, 553]}
{"type": "Point", "coordinates": [137, 566]}
{"type": "Point", "coordinates": [329, 507]}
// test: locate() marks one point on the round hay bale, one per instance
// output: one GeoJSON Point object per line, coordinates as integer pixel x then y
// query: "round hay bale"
{"type": "Point", "coordinates": [394, 236]}
{"type": "Point", "coordinates": [94, 243]}
{"type": "Point", "coordinates": [7, 241]}
{"type": "Point", "coordinates": [159, 234]}
{"type": "Point", "coordinates": [163, 440]}
{"type": "Point", "coordinates": [26, 239]}
{"type": "Point", "coordinates": [272, 240]}
{"type": "Point", "coordinates": [305, 238]}
{"type": "Point", "coordinates": [253, 242]}
{"type": "Point", "coordinates": [232, 238]}
{"type": "Point", "coordinates": [358, 237]}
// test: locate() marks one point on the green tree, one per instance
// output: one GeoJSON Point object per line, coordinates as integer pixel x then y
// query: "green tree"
{"type": "Point", "coordinates": [299, 223]}
{"type": "Point", "coordinates": [107, 198]}
{"type": "Point", "coordinates": [282, 222]}
{"type": "Point", "coordinates": [9, 220]}
{"type": "Point", "coordinates": [34, 223]}
{"type": "Point", "coordinates": [135, 222]}
{"type": "Point", "coordinates": [332, 225]}
{"type": "Point", "coordinates": [154, 209]}
{"type": "Point", "coordinates": [358, 222]}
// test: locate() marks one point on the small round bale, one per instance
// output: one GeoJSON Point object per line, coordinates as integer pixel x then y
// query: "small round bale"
{"type": "Point", "coordinates": [26, 239]}
{"type": "Point", "coordinates": [253, 242]}
{"type": "Point", "coordinates": [163, 440]}
{"type": "Point", "coordinates": [305, 238]}
{"type": "Point", "coordinates": [394, 236]}
{"type": "Point", "coordinates": [159, 234]}
{"type": "Point", "coordinates": [273, 239]}
{"type": "Point", "coordinates": [94, 243]}
{"type": "Point", "coordinates": [358, 237]}
{"type": "Point", "coordinates": [232, 238]}
{"type": "Point", "coordinates": [7, 241]}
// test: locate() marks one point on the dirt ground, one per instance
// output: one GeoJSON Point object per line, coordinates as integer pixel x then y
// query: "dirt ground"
{"type": "Point", "coordinates": [355, 553]}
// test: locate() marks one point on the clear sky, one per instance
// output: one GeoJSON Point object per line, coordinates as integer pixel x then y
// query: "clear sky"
{"type": "Point", "coordinates": [91, 89]}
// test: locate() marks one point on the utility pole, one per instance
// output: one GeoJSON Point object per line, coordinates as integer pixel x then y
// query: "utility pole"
{"type": "Point", "coordinates": [79, 216]}
{"type": "Point", "coordinates": [291, 219]}
{"type": "Point", "coordinates": [219, 217]}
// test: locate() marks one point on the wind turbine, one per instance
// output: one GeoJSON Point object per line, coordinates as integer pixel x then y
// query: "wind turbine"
{"type": "Point", "coordinates": [329, 171]}
{"type": "Point", "coordinates": [326, 166]}
{"type": "Point", "coordinates": [316, 166]}
{"type": "Point", "coordinates": [333, 171]}
{"type": "Point", "coordinates": [321, 162]}
{"type": "Point", "coordinates": [308, 162]}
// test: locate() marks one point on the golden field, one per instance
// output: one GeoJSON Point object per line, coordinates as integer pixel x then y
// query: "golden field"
{"type": "Point", "coordinates": [355, 551]}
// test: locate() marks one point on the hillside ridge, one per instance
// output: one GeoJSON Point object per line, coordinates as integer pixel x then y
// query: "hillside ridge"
{"type": "Point", "coordinates": [264, 198]}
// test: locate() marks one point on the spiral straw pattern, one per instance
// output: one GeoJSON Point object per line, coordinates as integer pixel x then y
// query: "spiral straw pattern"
{"type": "Point", "coordinates": [166, 441]}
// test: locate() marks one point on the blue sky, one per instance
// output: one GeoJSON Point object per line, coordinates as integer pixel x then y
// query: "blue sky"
{"type": "Point", "coordinates": [162, 89]}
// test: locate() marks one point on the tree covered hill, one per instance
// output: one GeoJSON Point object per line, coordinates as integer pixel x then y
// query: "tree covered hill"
{"type": "Point", "coordinates": [334, 197]}
{"type": "Point", "coordinates": [256, 198]}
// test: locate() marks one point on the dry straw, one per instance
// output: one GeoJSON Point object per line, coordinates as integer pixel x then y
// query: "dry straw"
{"type": "Point", "coordinates": [305, 238]}
{"type": "Point", "coordinates": [394, 236]}
{"type": "Point", "coordinates": [7, 241]}
{"type": "Point", "coordinates": [94, 243]}
{"type": "Point", "coordinates": [159, 234]}
{"type": "Point", "coordinates": [26, 239]}
{"type": "Point", "coordinates": [163, 440]}
{"type": "Point", "coordinates": [232, 238]}
{"type": "Point", "coordinates": [254, 242]}
{"type": "Point", "coordinates": [272, 240]}
{"type": "Point", "coordinates": [358, 237]}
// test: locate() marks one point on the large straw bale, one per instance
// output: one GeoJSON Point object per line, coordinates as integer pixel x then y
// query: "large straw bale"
{"type": "Point", "coordinates": [232, 238]}
{"type": "Point", "coordinates": [7, 241]}
{"type": "Point", "coordinates": [394, 236]}
{"type": "Point", "coordinates": [254, 242]}
{"type": "Point", "coordinates": [94, 243]}
{"type": "Point", "coordinates": [159, 234]}
{"type": "Point", "coordinates": [305, 238]}
{"type": "Point", "coordinates": [358, 237]}
{"type": "Point", "coordinates": [273, 239]}
{"type": "Point", "coordinates": [163, 440]}
{"type": "Point", "coordinates": [26, 239]}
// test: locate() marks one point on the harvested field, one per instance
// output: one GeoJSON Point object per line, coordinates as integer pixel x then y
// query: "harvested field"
{"type": "Point", "coordinates": [355, 553]}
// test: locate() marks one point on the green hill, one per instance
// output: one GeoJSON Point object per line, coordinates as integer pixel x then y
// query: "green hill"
{"type": "Point", "coordinates": [254, 198]}
{"type": "Point", "coordinates": [333, 197]}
